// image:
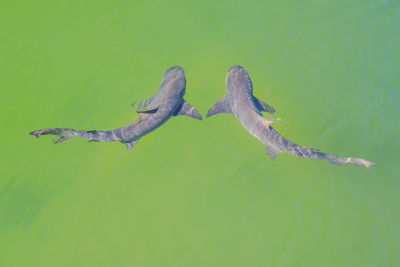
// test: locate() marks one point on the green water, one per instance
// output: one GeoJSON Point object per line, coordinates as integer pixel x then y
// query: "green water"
{"type": "Point", "coordinates": [199, 193]}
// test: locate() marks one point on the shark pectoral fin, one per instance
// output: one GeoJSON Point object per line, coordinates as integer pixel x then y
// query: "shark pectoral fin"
{"type": "Point", "coordinates": [221, 106]}
{"type": "Point", "coordinates": [271, 152]}
{"type": "Point", "coordinates": [262, 106]}
{"type": "Point", "coordinates": [188, 110]}
{"type": "Point", "coordinates": [63, 133]}
{"type": "Point", "coordinates": [130, 144]}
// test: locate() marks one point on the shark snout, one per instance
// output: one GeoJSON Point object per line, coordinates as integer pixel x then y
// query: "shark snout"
{"type": "Point", "coordinates": [175, 71]}
{"type": "Point", "coordinates": [236, 69]}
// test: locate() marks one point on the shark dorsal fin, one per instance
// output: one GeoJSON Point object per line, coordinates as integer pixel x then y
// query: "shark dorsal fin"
{"type": "Point", "coordinates": [221, 106]}
{"type": "Point", "coordinates": [149, 109]}
{"type": "Point", "coordinates": [146, 111]}
{"type": "Point", "coordinates": [188, 110]}
{"type": "Point", "coordinates": [146, 103]}
{"type": "Point", "coordinates": [147, 106]}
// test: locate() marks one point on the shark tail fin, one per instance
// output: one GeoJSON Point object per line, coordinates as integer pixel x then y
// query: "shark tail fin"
{"type": "Point", "coordinates": [301, 151]}
{"type": "Point", "coordinates": [288, 146]}
{"type": "Point", "coordinates": [355, 161]}
{"type": "Point", "coordinates": [63, 133]}
{"type": "Point", "coordinates": [315, 153]}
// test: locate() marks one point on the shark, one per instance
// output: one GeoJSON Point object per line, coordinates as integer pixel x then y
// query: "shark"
{"type": "Point", "coordinates": [153, 112]}
{"type": "Point", "coordinates": [240, 102]}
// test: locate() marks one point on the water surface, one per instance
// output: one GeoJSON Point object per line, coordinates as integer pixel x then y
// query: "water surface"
{"type": "Point", "coordinates": [199, 193]}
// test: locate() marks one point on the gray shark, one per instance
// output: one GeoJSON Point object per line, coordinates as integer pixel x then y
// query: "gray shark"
{"type": "Point", "coordinates": [153, 112]}
{"type": "Point", "coordinates": [240, 102]}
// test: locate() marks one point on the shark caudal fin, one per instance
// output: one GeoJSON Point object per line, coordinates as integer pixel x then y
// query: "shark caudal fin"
{"type": "Point", "coordinates": [221, 106]}
{"type": "Point", "coordinates": [64, 133]}
{"type": "Point", "coordinates": [355, 161]}
{"type": "Point", "coordinates": [301, 151]}
{"type": "Point", "coordinates": [285, 145]}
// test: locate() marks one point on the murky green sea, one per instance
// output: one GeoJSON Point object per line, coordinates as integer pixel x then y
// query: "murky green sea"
{"type": "Point", "coordinates": [199, 193]}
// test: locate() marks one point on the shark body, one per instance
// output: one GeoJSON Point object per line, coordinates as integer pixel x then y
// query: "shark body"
{"type": "Point", "coordinates": [240, 102]}
{"type": "Point", "coordinates": [153, 112]}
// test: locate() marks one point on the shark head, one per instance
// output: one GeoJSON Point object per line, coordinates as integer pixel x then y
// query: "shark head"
{"type": "Point", "coordinates": [237, 70]}
{"type": "Point", "coordinates": [174, 81]}
{"type": "Point", "coordinates": [174, 71]}
{"type": "Point", "coordinates": [238, 78]}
